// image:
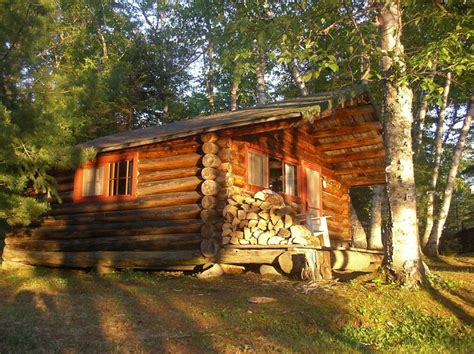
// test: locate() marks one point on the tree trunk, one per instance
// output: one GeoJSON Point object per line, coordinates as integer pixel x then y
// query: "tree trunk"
{"type": "Point", "coordinates": [260, 71]}
{"type": "Point", "coordinates": [420, 120]}
{"type": "Point", "coordinates": [298, 77]}
{"type": "Point", "coordinates": [433, 242]}
{"type": "Point", "coordinates": [359, 237]}
{"type": "Point", "coordinates": [233, 95]}
{"type": "Point", "coordinates": [375, 234]}
{"type": "Point", "coordinates": [437, 162]}
{"type": "Point", "coordinates": [402, 254]}
{"type": "Point", "coordinates": [209, 79]}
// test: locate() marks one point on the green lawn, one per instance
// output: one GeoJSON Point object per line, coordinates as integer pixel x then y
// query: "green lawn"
{"type": "Point", "coordinates": [65, 311]}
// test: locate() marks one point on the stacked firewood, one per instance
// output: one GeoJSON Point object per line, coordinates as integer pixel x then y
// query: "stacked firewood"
{"type": "Point", "coordinates": [263, 219]}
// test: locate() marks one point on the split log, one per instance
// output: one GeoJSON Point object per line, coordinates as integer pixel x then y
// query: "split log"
{"type": "Point", "coordinates": [146, 176]}
{"type": "Point", "coordinates": [130, 243]}
{"type": "Point", "coordinates": [169, 163]}
{"type": "Point", "coordinates": [177, 185]}
{"type": "Point", "coordinates": [125, 259]}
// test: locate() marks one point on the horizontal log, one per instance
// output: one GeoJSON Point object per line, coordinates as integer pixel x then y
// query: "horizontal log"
{"type": "Point", "coordinates": [209, 137]}
{"type": "Point", "coordinates": [359, 170]}
{"type": "Point", "coordinates": [184, 184]}
{"type": "Point", "coordinates": [176, 212]}
{"type": "Point", "coordinates": [154, 176]}
{"type": "Point", "coordinates": [355, 156]}
{"type": "Point", "coordinates": [112, 229]}
{"type": "Point", "coordinates": [365, 181]}
{"type": "Point", "coordinates": [354, 128]}
{"type": "Point", "coordinates": [167, 150]}
{"type": "Point", "coordinates": [351, 143]}
{"type": "Point", "coordinates": [210, 148]}
{"type": "Point", "coordinates": [209, 202]}
{"type": "Point", "coordinates": [263, 127]}
{"type": "Point", "coordinates": [209, 173]}
{"type": "Point", "coordinates": [248, 256]}
{"type": "Point", "coordinates": [224, 142]}
{"type": "Point", "coordinates": [211, 160]}
{"type": "Point", "coordinates": [159, 200]}
{"type": "Point", "coordinates": [125, 259]}
{"type": "Point", "coordinates": [63, 178]}
{"type": "Point", "coordinates": [210, 187]}
{"type": "Point", "coordinates": [130, 243]}
{"type": "Point", "coordinates": [169, 163]}
{"type": "Point", "coordinates": [65, 187]}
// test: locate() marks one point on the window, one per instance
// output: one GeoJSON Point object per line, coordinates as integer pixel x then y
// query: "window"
{"type": "Point", "coordinates": [92, 181]}
{"type": "Point", "coordinates": [108, 177]}
{"type": "Point", "coordinates": [257, 169]}
{"type": "Point", "coordinates": [120, 177]}
{"type": "Point", "coordinates": [273, 173]}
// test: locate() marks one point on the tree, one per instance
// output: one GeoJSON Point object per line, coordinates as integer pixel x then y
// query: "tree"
{"type": "Point", "coordinates": [402, 256]}
{"type": "Point", "coordinates": [435, 235]}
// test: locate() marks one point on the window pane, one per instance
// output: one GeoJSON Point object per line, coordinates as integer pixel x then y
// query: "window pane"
{"type": "Point", "coordinates": [92, 181]}
{"type": "Point", "coordinates": [120, 177]}
{"type": "Point", "coordinates": [257, 169]}
{"type": "Point", "coordinates": [290, 179]}
{"type": "Point", "coordinates": [130, 174]}
{"type": "Point", "coordinates": [275, 180]}
{"type": "Point", "coordinates": [313, 182]}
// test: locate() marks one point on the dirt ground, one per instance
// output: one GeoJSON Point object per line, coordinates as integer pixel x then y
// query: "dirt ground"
{"type": "Point", "coordinates": [43, 310]}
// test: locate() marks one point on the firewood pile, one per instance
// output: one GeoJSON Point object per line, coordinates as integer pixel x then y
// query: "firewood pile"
{"type": "Point", "coordinates": [263, 219]}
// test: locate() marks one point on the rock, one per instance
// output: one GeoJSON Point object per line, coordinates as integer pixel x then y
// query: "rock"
{"type": "Point", "coordinates": [261, 300]}
{"type": "Point", "coordinates": [214, 271]}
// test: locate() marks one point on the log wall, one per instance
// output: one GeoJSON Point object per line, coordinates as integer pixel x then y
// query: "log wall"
{"type": "Point", "coordinates": [176, 219]}
{"type": "Point", "coordinates": [293, 144]}
{"type": "Point", "coordinates": [161, 227]}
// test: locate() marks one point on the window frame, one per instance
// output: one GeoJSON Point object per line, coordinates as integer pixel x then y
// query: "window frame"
{"type": "Point", "coordinates": [285, 161]}
{"type": "Point", "coordinates": [104, 160]}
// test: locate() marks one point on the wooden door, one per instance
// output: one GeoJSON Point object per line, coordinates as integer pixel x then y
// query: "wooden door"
{"type": "Point", "coordinates": [312, 182]}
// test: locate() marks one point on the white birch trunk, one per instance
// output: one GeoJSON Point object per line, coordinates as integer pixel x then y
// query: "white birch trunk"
{"type": "Point", "coordinates": [209, 77]}
{"type": "Point", "coordinates": [375, 234]}
{"type": "Point", "coordinates": [402, 254]}
{"type": "Point", "coordinates": [260, 71]}
{"type": "Point", "coordinates": [359, 237]}
{"type": "Point", "coordinates": [234, 88]}
{"type": "Point", "coordinates": [437, 162]}
{"type": "Point", "coordinates": [298, 77]}
{"type": "Point", "coordinates": [433, 242]}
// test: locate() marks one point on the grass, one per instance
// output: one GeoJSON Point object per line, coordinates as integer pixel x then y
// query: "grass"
{"type": "Point", "coordinates": [45, 310]}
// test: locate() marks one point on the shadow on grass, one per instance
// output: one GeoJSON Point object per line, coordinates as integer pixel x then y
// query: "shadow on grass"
{"type": "Point", "coordinates": [56, 311]}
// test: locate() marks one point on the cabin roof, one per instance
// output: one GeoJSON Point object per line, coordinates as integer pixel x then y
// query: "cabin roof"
{"type": "Point", "coordinates": [313, 107]}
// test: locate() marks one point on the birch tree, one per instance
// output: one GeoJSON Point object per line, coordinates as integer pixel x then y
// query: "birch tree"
{"type": "Point", "coordinates": [435, 235]}
{"type": "Point", "coordinates": [437, 161]}
{"type": "Point", "coordinates": [402, 256]}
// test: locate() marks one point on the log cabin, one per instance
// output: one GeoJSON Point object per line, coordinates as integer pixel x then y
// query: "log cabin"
{"type": "Point", "coordinates": [231, 188]}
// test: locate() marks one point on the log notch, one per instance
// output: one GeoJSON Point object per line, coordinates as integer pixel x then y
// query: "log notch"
{"type": "Point", "coordinates": [216, 175]}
